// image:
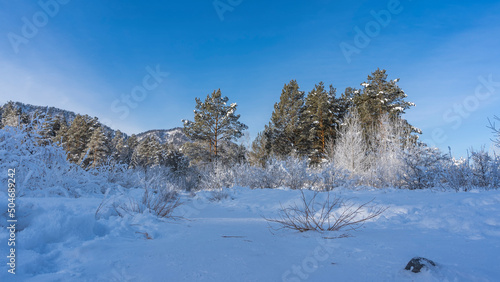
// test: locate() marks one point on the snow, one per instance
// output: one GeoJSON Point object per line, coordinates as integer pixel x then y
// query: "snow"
{"type": "Point", "coordinates": [60, 239]}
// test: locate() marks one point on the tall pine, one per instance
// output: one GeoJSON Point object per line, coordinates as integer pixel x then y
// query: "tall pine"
{"type": "Point", "coordinates": [379, 97]}
{"type": "Point", "coordinates": [284, 130]}
{"type": "Point", "coordinates": [215, 123]}
{"type": "Point", "coordinates": [319, 122]}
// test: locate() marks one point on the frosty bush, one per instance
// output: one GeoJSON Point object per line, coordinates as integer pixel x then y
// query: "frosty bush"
{"type": "Point", "coordinates": [272, 175]}
{"type": "Point", "coordinates": [292, 172]}
{"type": "Point", "coordinates": [495, 130]}
{"type": "Point", "coordinates": [42, 169]}
{"type": "Point", "coordinates": [161, 203]}
{"type": "Point", "coordinates": [116, 173]}
{"type": "Point", "coordinates": [458, 175]}
{"type": "Point", "coordinates": [327, 177]}
{"type": "Point", "coordinates": [217, 176]}
{"type": "Point", "coordinates": [480, 170]}
{"type": "Point", "coordinates": [422, 167]}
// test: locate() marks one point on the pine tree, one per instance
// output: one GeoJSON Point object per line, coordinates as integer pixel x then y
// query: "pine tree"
{"type": "Point", "coordinates": [147, 153]}
{"type": "Point", "coordinates": [97, 150]}
{"type": "Point", "coordinates": [214, 123]}
{"type": "Point", "coordinates": [284, 130]}
{"type": "Point", "coordinates": [120, 148]}
{"type": "Point", "coordinates": [11, 115]}
{"type": "Point", "coordinates": [172, 157]}
{"type": "Point", "coordinates": [43, 125]}
{"type": "Point", "coordinates": [132, 144]}
{"type": "Point", "coordinates": [78, 136]}
{"type": "Point", "coordinates": [60, 129]}
{"type": "Point", "coordinates": [378, 97]}
{"type": "Point", "coordinates": [259, 153]}
{"type": "Point", "coordinates": [319, 122]}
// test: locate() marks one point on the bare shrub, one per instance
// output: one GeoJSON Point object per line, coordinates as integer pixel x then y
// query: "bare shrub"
{"type": "Point", "coordinates": [162, 204]}
{"type": "Point", "coordinates": [104, 202]}
{"type": "Point", "coordinates": [332, 214]}
{"type": "Point", "coordinates": [130, 207]}
{"type": "Point", "coordinates": [495, 131]}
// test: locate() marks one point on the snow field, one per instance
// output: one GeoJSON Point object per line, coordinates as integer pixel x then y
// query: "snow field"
{"type": "Point", "coordinates": [60, 239]}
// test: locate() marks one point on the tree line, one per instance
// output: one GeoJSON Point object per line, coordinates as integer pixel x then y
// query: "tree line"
{"type": "Point", "coordinates": [301, 125]}
{"type": "Point", "coordinates": [360, 135]}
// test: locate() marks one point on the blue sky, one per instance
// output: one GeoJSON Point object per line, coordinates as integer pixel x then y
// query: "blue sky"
{"type": "Point", "coordinates": [86, 56]}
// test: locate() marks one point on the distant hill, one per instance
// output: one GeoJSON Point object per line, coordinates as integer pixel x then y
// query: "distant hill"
{"type": "Point", "coordinates": [173, 136]}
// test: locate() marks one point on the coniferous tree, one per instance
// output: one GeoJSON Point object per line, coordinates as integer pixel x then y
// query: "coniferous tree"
{"type": "Point", "coordinates": [11, 115]}
{"type": "Point", "coordinates": [43, 125]}
{"type": "Point", "coordinates": [214, 123]}
{"type": "Point", "coordinates": [78, 136]}
{"type": "Point", "coordinates": [172, 157]}
{"type": "Point", "coordinates": [120, 148]}
{"type": "Point", "coordinates": [319, 122]}
{"type": "Point", "coordinates": [97, 150]}
{"type": "Point", "coordinates": [259, 153]}
{"type": "Point", "coordinates": [60, 129]}
{"type": "Point", "coordinates": [132, 144]}
{"type": "Point", "coordinates": [147, 153]}
{"type": "Point", "coordinates": [378, 97]}
{"type": "Point", "coordinates": [284, 130]}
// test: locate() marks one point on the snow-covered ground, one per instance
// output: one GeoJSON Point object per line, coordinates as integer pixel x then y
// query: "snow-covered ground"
{"type": "Point", "coordinates": [61, 239]}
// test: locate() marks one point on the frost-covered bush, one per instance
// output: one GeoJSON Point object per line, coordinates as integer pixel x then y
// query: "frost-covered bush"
{"type": "Point", "coordinates": [480, 171]}
{"type": "Point", "coordinates": [117, 173]}
{"type": "Point", "coordinates": [291, 172]}
{"type": "Point", "coordinates": [482, 168]}
{"type": "Point", "coordinates": [458, 175]}
{"type": "Point", "coordinates": [495, 172]}
{"type": "Point", "coordinates": [273, 175]}
{"type": "Point", "coordinates": [217, 176]}
{"type": "Point", "coordinates": [297, 173]}
{"type": "Point", "coordinates": [422, 167]}
{"type": "Point", "coordinates": [328, 176]}
{"type": "Point", "coordinates": [42, 169]}
{"type": "Point", "coordinates": [159, 202]}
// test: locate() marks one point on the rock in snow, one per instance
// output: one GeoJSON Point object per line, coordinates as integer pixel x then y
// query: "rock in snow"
{"type": "Point", "coordinates": [417, 263]}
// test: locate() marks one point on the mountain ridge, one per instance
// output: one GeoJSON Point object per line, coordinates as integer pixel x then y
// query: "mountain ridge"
{"type": "Point", "coordinates": [173, 136]}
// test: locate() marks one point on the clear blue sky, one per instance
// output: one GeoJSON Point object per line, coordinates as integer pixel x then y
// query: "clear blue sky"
{"type": "Point", "coordinates": [85, 56]}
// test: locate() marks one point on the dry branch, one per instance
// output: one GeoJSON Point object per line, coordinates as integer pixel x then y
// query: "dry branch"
{"type": "Point", "coordinates": [333, 214]}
